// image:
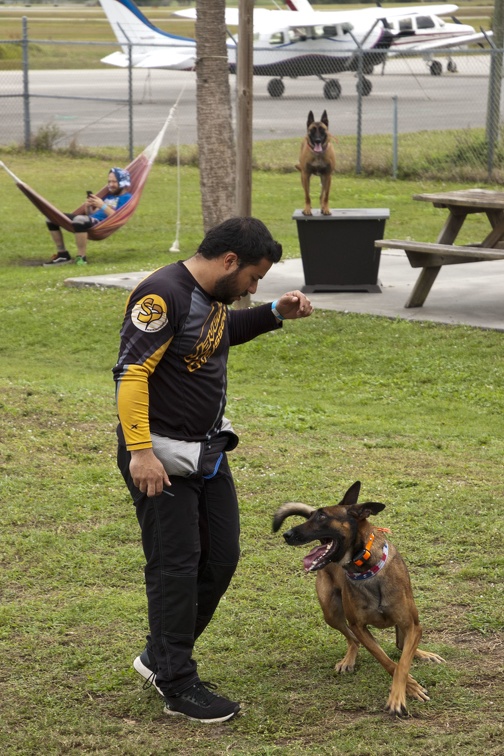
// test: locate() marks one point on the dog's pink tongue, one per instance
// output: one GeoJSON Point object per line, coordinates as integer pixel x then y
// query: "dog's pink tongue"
{"type": "Point", "coordinates": [312, 557]}
{"type": "Point", "coordinates": [317, 148]}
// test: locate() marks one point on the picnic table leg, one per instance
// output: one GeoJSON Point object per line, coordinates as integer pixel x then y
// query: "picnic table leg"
{"type": "Point", "coordinates": [452, 226]}
{"type": "Point", "coordinates": [422, 286]}
{"type": "Point", "coordinates": [428, 275]}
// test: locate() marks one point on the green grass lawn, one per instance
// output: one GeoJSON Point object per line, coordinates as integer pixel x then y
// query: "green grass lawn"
{"type": "Point", "coordinates": [413, 410]}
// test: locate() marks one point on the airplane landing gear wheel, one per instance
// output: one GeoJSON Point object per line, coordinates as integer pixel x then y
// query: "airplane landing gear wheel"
{"type": "Point", "coordinates": [276, 87]}
{"type": "Point", "coordinates": [332, 89]}
{"type": "Point", "coordinates": [436, 68]}
{"type": "Point", "coordinates": [451, 66]}
{"type": "Point", "coordinates": [364, 88]}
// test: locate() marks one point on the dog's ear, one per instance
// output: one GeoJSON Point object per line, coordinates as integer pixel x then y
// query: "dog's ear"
{"type": "Point", "coordinates": [310, 119]}
{"type": "Point", "coordinates": [351, 495]}
{"type": "Point", "coordinates": [363, 511]}
{"type": "Point", "coordinates": [325, 119]}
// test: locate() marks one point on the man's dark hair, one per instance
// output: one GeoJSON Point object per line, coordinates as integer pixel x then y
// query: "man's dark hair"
{"type": "Point", "coordinates": [246, 237]}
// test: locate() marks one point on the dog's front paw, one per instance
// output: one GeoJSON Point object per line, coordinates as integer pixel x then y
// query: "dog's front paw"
{"type": "Point", "coordinates": [396, 705]}
{"type": "Point", "coordinates": [325, 211]}
{"type": "Point", "coordinates": [307, 211]}
{"type": "Point", "coordinates": [345, 665]}
{"type": "Point", "coordinates": [415, 690]}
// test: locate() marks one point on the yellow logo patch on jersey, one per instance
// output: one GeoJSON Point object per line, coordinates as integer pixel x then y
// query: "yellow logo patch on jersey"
{"type": "Point", "coordinates": [150, 313]}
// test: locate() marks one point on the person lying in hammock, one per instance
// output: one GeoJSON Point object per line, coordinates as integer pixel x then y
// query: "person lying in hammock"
{"type": "Point", "coordinates": [97, 209]}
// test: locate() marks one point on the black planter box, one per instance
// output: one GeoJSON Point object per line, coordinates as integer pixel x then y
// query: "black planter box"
{"type": "Point", "coordinates": [338, 251]}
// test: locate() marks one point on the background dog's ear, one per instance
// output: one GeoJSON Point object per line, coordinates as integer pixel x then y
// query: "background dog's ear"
{"type": "Point", "coordinates": [291, 508]}
{"type": "Point", "coordinates": [351, 495]}
{"type": "Point", "coordinates": [363, 511]}
{"type": "Point", "coordinates": [310, 119]}
{"type": "Point", "coordinates": [325, 119]}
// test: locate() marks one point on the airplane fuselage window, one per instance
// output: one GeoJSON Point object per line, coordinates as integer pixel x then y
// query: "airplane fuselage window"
{"type": "Point", "coordinates": [424, 22]}
{"type": "Point", "coordinates": [405, 24]}
{"type": "Point", "coordinates": [277, 38]}
{"type": "Point", "coordinates": [297, 34]}
{"type": "Point", "coordinates": [303, 33]}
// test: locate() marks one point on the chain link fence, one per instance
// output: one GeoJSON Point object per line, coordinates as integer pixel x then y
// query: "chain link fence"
{"type": "Point", "coordinates": [447, 109]}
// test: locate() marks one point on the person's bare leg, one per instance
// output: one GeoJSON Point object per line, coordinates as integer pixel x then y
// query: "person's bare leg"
{"type": "Point", "coordinates": [81, 242]}
{"type": "Point", "coordinates": [57, 238]}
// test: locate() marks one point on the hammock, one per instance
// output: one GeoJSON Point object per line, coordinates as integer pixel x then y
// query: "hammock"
{"type": "Point", "coordinates": [139, 171]}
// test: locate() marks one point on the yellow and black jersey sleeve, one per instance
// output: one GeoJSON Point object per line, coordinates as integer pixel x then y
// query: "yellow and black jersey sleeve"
{"type": "Point", "coordinates": [145, 337]}
{"type": "Point", "coordinates": [132, 397]}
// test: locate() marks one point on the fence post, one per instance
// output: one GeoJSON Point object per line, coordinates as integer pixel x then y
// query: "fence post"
{"type": "Point", "coordinates": [394, 138]}
{"type": "Point", "coordinates": [493, 107]}
{"type": "Point", "coordinates": [130, 99]}
{"type": "Point", "coordinates": [360, 75]}
{"type": "Point", "coordinates": [26, 93]}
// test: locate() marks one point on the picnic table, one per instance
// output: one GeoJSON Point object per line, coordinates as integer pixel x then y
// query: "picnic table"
{"type": "Point", "coordinates": [432, 256]}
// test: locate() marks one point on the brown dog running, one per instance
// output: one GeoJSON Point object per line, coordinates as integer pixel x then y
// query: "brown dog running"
{"type": "Point", "coordinates": [361, 580]}
{"type": "Point", "coordinates": [317, 158]}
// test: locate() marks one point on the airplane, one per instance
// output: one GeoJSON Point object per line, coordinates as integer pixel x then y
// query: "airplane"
{"type": "Point", "coordinates": [287, 43]}
{"type": "Point", "coordinates": [293, 43]}
{"type": "Point", "coordinates": [420, 29]}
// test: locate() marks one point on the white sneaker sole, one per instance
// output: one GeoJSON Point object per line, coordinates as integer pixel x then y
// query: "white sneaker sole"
{"type": "Point", "coordinates": [56, 264]}
{"type": "Point", "coordinates": [173, 713]}
{"type": "Point", "coordinates": [146, 673]}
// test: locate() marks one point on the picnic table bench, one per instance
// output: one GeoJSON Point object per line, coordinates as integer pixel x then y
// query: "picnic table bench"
{"type": "Point", "coordinates": [431, 257]}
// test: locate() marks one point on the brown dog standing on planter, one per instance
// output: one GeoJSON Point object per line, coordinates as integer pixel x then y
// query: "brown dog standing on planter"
{"type": "Point", "coordinates": [317, 158]}
{"type": "Point", "coordinates": [361, 580]}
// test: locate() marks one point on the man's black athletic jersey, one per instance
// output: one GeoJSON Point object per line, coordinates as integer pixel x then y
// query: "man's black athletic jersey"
{"type": "Point", "coordinates": [171, 372]}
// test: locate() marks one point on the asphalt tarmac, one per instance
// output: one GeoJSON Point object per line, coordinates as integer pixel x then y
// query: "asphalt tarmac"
{"type": "Point", "coordinates": [91, 106]}
{"type": "Point", "coordinates": [467, 294]}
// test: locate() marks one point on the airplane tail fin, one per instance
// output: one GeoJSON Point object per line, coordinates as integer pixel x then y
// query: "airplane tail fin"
{"type": "Point", "coordinates": [130, 26]}
{"type": "Point", "coordinates": [303, 6]}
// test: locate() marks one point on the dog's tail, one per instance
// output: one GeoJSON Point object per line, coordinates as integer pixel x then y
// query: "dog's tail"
{"type": "Point", "coordinates": [291, 508]}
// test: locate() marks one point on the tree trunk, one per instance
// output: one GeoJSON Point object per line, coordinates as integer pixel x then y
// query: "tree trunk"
{"type": "Point", "coordinates": [217, 156]}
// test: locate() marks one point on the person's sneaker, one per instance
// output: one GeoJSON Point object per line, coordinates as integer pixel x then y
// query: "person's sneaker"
{"type": "Point", "coordinates": [60, 258]}
{"type": "Point", "coordinates": [199, 704]}
{"type": "Point", "coordinates": [146, 667]}
{"type": "Point", "coordinates": [81, 260]}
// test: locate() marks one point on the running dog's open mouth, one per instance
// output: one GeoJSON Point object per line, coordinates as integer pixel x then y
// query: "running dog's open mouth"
{"type": "Point", "coordinates": [320, 555]}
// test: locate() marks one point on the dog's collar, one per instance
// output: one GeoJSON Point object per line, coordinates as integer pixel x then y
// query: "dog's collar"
{"type": "Point", "coordinates": [364, 555]}
{"type": "Point", "coordinates": [372, 570]}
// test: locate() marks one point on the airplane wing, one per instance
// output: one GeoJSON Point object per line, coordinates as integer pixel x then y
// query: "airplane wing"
{"type": "Point", "coordinates": [416, 10]}
{"type": "Point", "coordinates": [231, 15]}
{"type": "Point", "coordinates": [447, 42]}
{"type": "Point", "coordinates": [270, 20]}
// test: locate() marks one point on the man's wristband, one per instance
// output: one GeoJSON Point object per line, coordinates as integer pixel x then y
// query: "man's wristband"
{"type": "Point", "coordinates": [275, 311]}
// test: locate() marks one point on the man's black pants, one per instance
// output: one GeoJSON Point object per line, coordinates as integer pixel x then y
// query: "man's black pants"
{"type": "Point", "coordinates": [191, 545]}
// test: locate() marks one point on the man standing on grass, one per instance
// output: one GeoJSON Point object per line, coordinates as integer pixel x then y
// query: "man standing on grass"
{"type": "Point", "coordinates": [171, 380]}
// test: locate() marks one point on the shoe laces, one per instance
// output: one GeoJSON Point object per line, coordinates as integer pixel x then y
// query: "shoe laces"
{"type": "Point", "coordinates": [149, 682]}
{"type": "Point", "coordinates": [201, 692]}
